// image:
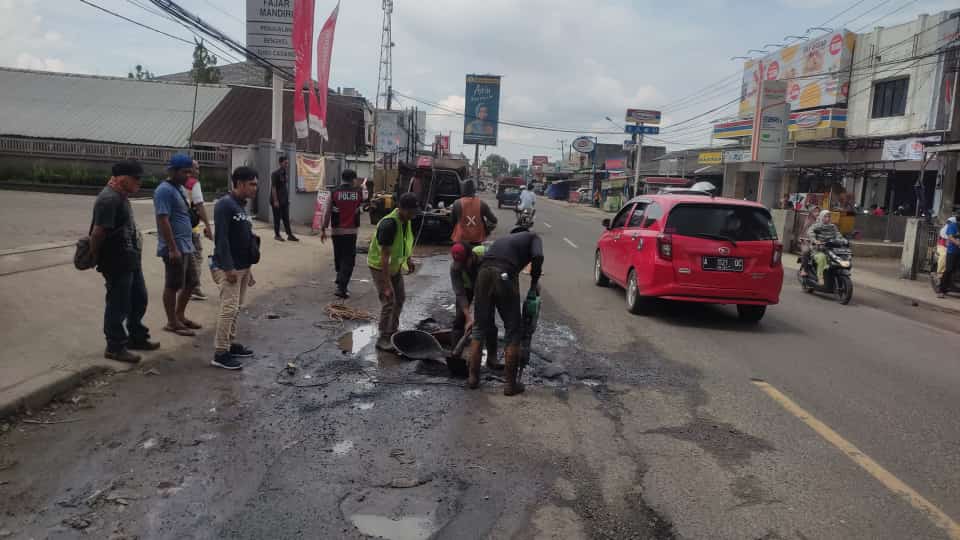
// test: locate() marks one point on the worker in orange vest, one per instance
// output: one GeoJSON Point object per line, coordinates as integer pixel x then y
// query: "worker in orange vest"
{"type": "Point", "coordinates": [472, 218]}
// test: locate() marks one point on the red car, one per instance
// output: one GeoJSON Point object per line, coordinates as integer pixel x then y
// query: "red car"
{"type": "Point", "coordinates": [693, 248]}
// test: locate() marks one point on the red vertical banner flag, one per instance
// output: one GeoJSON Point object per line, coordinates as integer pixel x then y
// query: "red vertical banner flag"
{"type": "Point", "coordinates": [318, 115]}
{"type": "Point", "coordinates": [303, 46]}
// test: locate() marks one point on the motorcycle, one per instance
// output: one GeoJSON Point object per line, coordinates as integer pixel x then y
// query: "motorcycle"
{"type": "Point", "coordinates": [836, 277]}
{"type": "Point", "coordinates": [525, 218]}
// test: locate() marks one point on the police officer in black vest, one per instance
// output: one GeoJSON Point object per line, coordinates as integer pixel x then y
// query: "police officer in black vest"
{"type": "Point", "coordinates": [343, 216]}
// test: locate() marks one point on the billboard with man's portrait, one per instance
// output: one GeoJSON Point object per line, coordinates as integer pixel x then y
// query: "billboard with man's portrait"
{"type": "Point", "coordinates": [482, 98]}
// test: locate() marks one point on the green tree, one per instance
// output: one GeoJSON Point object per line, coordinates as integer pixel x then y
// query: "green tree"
{"type": "Point", "coordinates": [496, 164]}
{"type": "Point", "coordinates": [140, 74]}
{"type": "Point", "coordinates": [205, 68]}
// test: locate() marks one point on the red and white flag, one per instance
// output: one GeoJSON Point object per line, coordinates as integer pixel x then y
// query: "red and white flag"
{"type": "Point", "coordinates": [318, 115]}
{"type": "Point", "coordinates": [303, 45]}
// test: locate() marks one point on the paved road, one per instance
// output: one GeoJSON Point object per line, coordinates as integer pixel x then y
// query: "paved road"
{"type": "Point", "coordinates": [632, 427]}
{"type": "Point", "coordinates": [887, 384]}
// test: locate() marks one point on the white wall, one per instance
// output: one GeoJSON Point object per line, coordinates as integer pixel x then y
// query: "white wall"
{"type": "Point", "coordinates": [872, 59]}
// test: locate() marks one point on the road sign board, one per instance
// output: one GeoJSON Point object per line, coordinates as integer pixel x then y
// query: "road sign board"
{"type": "Point", "coordinates": [638, 129]}
{"type": "Point", "coordinates": [643, 116]}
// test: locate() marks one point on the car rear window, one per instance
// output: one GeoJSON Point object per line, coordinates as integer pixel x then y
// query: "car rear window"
{"type": "Point", "coordinates": [740, 223]}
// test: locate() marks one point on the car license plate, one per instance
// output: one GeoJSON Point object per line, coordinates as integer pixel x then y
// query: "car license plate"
{"type": "Point", "coordinates": [722, 264]}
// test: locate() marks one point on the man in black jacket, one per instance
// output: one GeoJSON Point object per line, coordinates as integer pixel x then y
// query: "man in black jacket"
{"type": "Point", "coordinates": [280, 200]}
{"type": "Point", "coordinates": [236, 250]}
{"type": "Point", "coordinates": [116, 245]}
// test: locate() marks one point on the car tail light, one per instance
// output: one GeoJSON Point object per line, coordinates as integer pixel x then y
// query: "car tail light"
{"type": "Point", "coordinates": [665, 246]}
{"type": "Point", "coordinates": [777, 254]}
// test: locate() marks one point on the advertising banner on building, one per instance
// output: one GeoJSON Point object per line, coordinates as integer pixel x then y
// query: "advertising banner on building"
{"type": "Point", "coordinates": [311, 171]}
{"type": "Point", "coordinates": [770, 123]}
{"type": "Point", "coordinates": [736, 156]}
{"type": "Point", "coordinates": [482, 109]}
{"type": "Point", "coordinates": [318, 115]}
{"type": "Point", "coordinates": [817, 72]}
{"type": "Point", "coordinates": [906, 149]}
{"type": "Point", "coordinates": [270, 31]}
{"type": "Point", "coordinates": [389, 133]}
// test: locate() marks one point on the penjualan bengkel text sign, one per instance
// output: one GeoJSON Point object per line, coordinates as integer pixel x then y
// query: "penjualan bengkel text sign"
{"type": "Point", "coordinates": [270, 31]}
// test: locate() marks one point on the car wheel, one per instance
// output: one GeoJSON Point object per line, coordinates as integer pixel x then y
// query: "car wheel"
{"type": "Point", "coordinates": [751, 314]}
{"type": "Point", "coordinates": [634, 302]}
{"type": "Point", "coordinates": [599, 279]}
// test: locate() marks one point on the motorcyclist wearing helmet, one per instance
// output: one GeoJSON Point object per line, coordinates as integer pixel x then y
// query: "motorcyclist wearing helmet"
{"type": "Point", "coordinates": [818, 234]}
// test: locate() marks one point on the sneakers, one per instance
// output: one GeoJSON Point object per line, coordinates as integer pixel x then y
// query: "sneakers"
{"type": "Point", "coordinates": [198, 295]}
{"type": "Point", "coordinates": [122, 355]}
{"type": "Point", "coordinates": [145, 345]}
{"type": "Point", "coordinates": [342, 293]}
{"type": "Point", "coordinates": [279, 238]}
{"type": "Point", "coordinates": [239, 351]}
{"type": "Point", "coordinates": [226, 360]}
{"type": "Point", "coordinates": [292, 238]}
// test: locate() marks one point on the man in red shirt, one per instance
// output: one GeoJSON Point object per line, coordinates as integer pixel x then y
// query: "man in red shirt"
{"type": "Point", "coordinates": [343, 215]}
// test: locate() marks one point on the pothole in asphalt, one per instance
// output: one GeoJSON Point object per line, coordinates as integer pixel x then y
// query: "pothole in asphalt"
{"type": "Point", "coordinates": [727, 444]}
{"type": "Point", "coordinates": [414, 513]}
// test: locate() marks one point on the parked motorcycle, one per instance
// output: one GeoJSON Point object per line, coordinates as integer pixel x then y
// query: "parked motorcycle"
{"type": "Point", "coordinates": [836, 277]}
{"type": "Point", "coordinates": [525, 218]}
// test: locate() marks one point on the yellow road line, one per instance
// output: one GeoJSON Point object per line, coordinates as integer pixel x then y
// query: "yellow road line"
{"type": "Point", "coordinates": [894, 484]}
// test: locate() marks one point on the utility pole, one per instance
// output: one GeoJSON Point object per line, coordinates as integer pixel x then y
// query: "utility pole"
{"type": "Point", "coordinates": [636, 161]}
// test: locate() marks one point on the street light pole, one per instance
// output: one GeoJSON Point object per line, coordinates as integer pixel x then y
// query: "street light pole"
{"type": "Point", "coordinates": [636, 162]}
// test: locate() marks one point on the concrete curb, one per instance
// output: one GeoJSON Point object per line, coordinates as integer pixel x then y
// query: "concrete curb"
{"type": "Point", "coordinates": [39, 391]}
{"type": "Point", "coordinates": [919, 302]}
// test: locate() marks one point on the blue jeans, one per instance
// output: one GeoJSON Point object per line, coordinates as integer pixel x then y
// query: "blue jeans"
{"type": "Point", "coordinates": [126, 302]}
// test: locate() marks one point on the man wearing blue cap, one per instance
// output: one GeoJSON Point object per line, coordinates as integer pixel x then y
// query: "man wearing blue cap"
{"type": "Point", "coordinates": [175, 231]}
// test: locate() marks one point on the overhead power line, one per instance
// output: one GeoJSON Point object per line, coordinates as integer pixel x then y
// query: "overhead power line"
{"type": "Point", "coordinates": [138, 23]}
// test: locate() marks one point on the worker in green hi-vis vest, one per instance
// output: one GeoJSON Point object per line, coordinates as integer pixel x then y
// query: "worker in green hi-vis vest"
{"type": "Point", "coordinates": [388, 257]}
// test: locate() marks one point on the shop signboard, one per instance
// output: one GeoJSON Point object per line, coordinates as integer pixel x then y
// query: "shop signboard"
{"type": "Point", "coordinates": [770, 123]}
{"type": "Point", "coordinates": [710, 158]}
{"type": "Point", "coordinates": [482, 109]}
{"type": "Point", "coordinates": [736, 156]}
{"type": "Point", "coordinates": [270, 31]}
{"type": "Point", "coordinates": [540, 160]}
{"type": "Point", "coordinates": [389, 133]}
{"type": "Point", "coordinates": [643, 116]}
{"type": "Point", "coordinates": [817, 72]}
{"type": "Point", "coordinates": [584, 145]}
{"type": "Point", "coordinates": [523, 163]}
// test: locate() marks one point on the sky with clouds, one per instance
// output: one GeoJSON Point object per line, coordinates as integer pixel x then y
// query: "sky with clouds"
{"type": "Point", "coordinates": [565, 63]}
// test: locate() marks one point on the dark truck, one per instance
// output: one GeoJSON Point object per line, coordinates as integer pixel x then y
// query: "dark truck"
{"type": "Point", "coordinates": [508, 191]}
{"type": "Point", "coordinates": [438, 184]}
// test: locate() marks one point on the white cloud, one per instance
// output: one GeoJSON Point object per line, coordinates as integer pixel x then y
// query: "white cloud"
{"type": "Point", "coordinates": [28, 61]}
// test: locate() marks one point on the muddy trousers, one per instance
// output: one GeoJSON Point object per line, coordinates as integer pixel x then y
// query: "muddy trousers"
{"type": "Point", "coordinates": [390, 308]}
{"type": "Point", "coordinates": [231, 297]}
{"type": "Point", "coordinates": [460, 325]}
{"type": "Point", "coordinates": [126, 303]}
{"type": "Point", "coordinates": [344, 258]}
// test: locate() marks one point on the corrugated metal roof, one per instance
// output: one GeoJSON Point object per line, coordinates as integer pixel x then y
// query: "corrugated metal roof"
{"type": "Point", "coordinates": [108, 109]}
{"type": "Point", "coordinates": [243, 117]}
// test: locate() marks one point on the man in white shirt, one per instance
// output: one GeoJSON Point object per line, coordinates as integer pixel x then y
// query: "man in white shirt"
{"type": "Point", "coordinates": [528, 199]}
{"type": "Point", "coordinates": [195, 196]}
